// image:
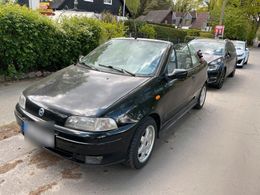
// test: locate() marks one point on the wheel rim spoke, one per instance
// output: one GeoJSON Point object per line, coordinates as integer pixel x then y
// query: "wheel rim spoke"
{"type": "Point", "coordinates": [146, 144]}
{"type": "Point", "coordinates": [203, 96]}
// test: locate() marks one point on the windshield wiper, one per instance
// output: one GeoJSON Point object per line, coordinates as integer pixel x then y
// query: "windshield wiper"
{"type": "Point", "coordinates": [118, 69]}
{"type": "Point", "coordinates": [87, 65]}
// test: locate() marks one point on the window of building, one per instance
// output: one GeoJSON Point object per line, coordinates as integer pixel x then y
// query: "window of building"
{"type": "Point", "coordinates": [108, 2]}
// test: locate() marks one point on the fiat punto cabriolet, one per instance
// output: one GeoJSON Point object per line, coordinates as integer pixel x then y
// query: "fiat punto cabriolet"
{"type": "Point", "coordinates": [112, 105]}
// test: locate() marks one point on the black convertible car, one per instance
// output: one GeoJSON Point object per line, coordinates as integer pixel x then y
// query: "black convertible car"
{"type": "Point", "coordinates": [221, 57]}
{"type": "Point", "coordinates": [111, 106]}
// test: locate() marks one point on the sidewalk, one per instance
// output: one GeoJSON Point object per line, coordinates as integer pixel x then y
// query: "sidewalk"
{"type": "Point", "coordinates": [9, 96]}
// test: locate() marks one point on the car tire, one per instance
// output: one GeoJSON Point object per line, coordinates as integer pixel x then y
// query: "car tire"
{"type": "Point", "coordinates": [201, 98]}
{"type": "Point", "coordinates": [142, 144]}
{"type": "Point", "coordinates": [232, 74]}
{"type": "Point", "coordinates": [246, 61]}
{"type": "Point", "coordinates": [222, 78]}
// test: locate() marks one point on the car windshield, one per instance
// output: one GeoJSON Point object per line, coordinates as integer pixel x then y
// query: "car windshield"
{"type": "Point", "coordinates": [239, 45]}
{"type": "Point", "coordinates": [209, 47]}
{"type": "Point", "coordinates": [135, 57]}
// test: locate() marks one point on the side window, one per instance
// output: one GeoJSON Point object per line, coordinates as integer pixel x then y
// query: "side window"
{"type": "Point", "coordinates": [227, 49]}
{"type": "Point", "coordinates": [172, 62]}
{"type": "Point", "coordinates": [194, 56]}
{"type": "Point", "coordinates": [231, 49]}
{"type": "Point", "coordinates": [183, 56]}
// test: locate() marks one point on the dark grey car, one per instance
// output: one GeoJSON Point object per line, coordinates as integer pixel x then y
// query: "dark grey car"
{"type": "Point", "coordinates": [221, 57]}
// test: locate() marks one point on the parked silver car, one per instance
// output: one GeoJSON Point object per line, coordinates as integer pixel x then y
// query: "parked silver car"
{"type": "Point", "coordinates": [242, 53]}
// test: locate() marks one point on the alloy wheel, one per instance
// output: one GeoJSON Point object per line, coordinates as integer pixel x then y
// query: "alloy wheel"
{"type": "Point", "coordinates": [203, 95]}
{"type": "Point", "coordinates": [146, 144]}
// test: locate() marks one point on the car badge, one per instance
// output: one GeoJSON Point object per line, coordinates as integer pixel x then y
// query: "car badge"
{"type": "Point", "coordinates": [41, 112]}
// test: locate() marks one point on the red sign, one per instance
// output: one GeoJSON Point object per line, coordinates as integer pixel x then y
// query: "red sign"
{"type": "Point", "coordinates": [219, 31]}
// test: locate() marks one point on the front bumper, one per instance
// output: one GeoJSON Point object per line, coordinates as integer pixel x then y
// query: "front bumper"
{"type": "Point", "coordinates": [99, 148]}
{"type": "Point", "coordinates": [214, 75]}
{"type": "Point", "coordinates": [240, 61]}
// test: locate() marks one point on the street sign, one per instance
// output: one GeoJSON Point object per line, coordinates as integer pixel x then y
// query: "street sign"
{"type": "Point", "coordinates": [219, 31]}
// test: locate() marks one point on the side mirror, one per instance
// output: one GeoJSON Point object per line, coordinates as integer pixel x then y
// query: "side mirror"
{"type": "Point", "coordinates": [247, 49]}
{"type": "Point", "coordinates": [178, 74]}
{"type": "Point", "coordinates": [199, 53]}
{"type": "Point", "coordinates": [228, 55]}
{"type": "Point", "coordinates": [81, 57]}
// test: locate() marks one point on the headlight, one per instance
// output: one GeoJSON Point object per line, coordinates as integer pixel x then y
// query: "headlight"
{"type": "Point", "coordinates": [91, 124]}
{"type": "Point", "coordinates": [214, 65]}
{"type": "Point", "coordinates": [22, 101]}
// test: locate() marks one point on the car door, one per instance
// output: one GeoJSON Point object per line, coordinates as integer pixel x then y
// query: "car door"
{"type": "Point", "coordinates": [177, 91]}
{"type": "Point", "coordinates": [230, 57]}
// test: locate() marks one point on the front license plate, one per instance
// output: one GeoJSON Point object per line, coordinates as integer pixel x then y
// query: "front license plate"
{"type": "Point", "coordinates": [38, 133]}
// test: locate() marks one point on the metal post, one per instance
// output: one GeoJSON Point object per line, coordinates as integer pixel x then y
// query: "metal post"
{"type": "Point", "coordinates": [124, 9]}
{"type": "Point", "coordinates": [222, 12]}
{"type": "Point", "coordinates": [76, 4]}
{"type": "Point", "coordinates": [34, 4]}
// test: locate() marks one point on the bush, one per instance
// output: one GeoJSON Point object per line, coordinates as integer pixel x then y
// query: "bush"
{"type": "Point", "coordinates": [82, 35]}
{"type": "Point", "coordinates": [112, 30]}
{"type": "Point", "coordinates": [193, 32]}
{"type": "Point", "coordinates": [147, 31]}
{"type": "Point", "coordinates": [206, 34]}
{"type": "Point", "coordinates": [158, 31]}
{"type": "Point", "coordinates": [136, 28]}
{"type": "Point", "coordinates": [28, 40]}
{"type": "Point", "coordinates": [189, 38]}
{"type": "Point", "coordinates": [169, 34]}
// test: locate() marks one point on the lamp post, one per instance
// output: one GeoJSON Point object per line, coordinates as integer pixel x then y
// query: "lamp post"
{"type": "Point", "coordinates": [34, 4]}
{"type": "Point", "coordinates": [124, 9]}
{"type": "Point", "coordinates": [222, 12]}
{"type": "Point", "coordinates": [76, 4]}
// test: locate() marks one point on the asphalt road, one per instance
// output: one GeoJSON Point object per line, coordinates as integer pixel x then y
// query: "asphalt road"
{"type": "Point", "coordinates": [213, 151]}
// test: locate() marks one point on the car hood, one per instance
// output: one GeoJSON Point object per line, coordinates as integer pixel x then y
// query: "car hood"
{"type": "Point", "coordinates": [80, 91]}
{"type": "Point", "coordinates": [209, 57]}
{"type": "Point", "coordinates": [240, 52]}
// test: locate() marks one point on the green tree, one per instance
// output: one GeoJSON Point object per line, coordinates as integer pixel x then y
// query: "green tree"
{"type": "Point", "coordinates": [186, 5]}
{"type": "Point", "coordinates": [241, 18]}
{"type": "Point", "coordinates": [133, 6]}
{"type": "Point", "coordinates": [157, 5]}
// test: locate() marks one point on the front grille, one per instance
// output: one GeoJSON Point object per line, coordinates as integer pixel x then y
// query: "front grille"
{"type": "Point", "coordinates": [49, 115]}
{"type": "Point", "coordinates": [239, 61]}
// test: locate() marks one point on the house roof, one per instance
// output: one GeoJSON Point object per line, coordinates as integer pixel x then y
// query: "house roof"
{"type": "Point", "coordinates": [201, 19]}
{"type": "Point", "coordinates": [155, 16]}
{"type": "Point", "coordinates": [193, 14]}
{"type": "Point", "coordinates": [178, 14]}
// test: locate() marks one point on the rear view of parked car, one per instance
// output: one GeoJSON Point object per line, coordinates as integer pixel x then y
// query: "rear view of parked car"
{"type": "Point", "coordinates": [111, 106]}
{"type": "Point", "coordinates": [221, 58]}
{"type": "Point", "coordinates": [242, 53]}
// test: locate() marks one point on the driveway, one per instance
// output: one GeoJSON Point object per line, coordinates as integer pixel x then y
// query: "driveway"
{"type": "Point", "coordinates": [212, 151]}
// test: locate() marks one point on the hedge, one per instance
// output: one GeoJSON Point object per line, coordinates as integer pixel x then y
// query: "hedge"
{"type": "Point", "coordinates": [169, 34]}
{"type": "Point", "coordinates": [163, 32]}
{"type": "Point", "coordinates": [28, 41]}
{"type": "Point", "coordinates": [31, 41]}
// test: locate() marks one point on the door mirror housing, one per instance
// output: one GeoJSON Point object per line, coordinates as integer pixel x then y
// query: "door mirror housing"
{"type": "Point", "coordinates": [81, 57]}
{"type": "Point", "coordinates": [247, 49]}
{"type": "Point", "coordinates": [178, 74]}
{"type": "Point", "coordinates": [199, 54]}
{"type": "Point", "coordinates": [228, 55]}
